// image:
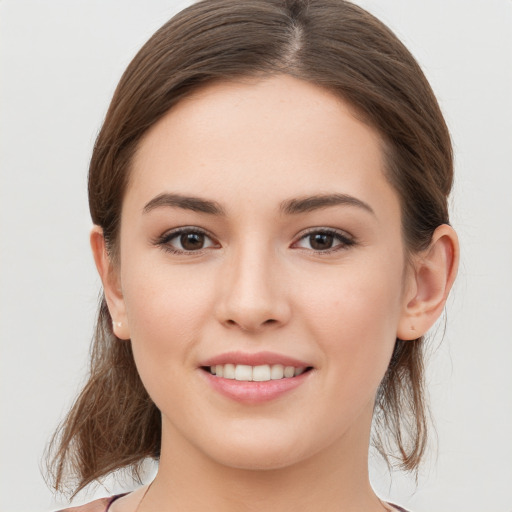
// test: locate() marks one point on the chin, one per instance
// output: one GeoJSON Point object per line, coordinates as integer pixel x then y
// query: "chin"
{"type": "Point", "coordinates": [258, 461]}
{"type": "Point", "coordinates": [257, 454]}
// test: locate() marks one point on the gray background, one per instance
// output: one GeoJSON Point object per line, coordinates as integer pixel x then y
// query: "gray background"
{"type": "Point", "coordinates": [59, 64]}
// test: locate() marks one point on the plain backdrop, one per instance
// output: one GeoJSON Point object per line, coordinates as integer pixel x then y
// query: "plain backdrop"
{"type": "Point", "coordinates": [59, 64]}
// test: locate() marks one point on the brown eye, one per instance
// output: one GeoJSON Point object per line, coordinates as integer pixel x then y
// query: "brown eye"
{"type": "Point", "coordinates": [321, 241]}
{"type": "Point", "coordinates": [324, 241]}
{"type": "Point", "coordinates": [185, 240]}
{"type": "Point", "coordinates": [192, 241]}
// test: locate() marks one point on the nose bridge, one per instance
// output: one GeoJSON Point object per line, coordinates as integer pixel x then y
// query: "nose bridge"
{"type": "Point", "coordinates": [252, 297]}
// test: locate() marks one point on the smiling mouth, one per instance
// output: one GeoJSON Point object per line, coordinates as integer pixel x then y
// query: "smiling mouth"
{"type": "Point", "coordinates": [260, 373]}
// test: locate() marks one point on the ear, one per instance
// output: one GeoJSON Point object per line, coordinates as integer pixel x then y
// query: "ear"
{"type": "Point", "coordinates": [429, 283]}
{"type": "Point", "coordinates": [109, 275]}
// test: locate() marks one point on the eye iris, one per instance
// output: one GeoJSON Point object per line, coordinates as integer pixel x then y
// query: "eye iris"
{"type": "Point", "coordinates": [192, 241]}
{"type": "Point", "coordinates": [321, 241]}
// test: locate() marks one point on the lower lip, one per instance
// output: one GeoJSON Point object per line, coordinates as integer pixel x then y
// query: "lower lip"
{"type": "Point", "coordinates": [254, 392]}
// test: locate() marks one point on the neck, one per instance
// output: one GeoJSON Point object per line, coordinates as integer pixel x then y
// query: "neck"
{"type": "Point", "coordinates": [334, 479]}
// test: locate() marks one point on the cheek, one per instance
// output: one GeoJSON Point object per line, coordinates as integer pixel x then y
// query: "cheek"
{"type": "Point", "coordinates": [165, 311]}
{"type": "Point", "coordinates": [165, 314]}
{"type": "Point", "coordinates": [354, 317]}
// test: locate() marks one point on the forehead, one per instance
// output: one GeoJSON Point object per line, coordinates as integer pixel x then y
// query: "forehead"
{"type": "Point", "coordinates": [235, 139]}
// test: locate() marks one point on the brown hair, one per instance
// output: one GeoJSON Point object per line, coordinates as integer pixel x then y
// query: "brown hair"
{"type": "Point", "coordinates": [333, 44]}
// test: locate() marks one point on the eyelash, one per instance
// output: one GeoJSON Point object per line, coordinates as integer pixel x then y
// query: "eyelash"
{"type": "Point", "coordinates": [345, 240]}
{"type": "Point", "coordinates": [164, 240]}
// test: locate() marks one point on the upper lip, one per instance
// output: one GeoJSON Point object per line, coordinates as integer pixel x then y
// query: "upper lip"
{"type": "Point", "coordinates": [256, 359]}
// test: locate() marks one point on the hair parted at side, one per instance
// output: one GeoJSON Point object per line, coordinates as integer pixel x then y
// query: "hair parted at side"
{"type": "Point", "coordinates": [331, 43]}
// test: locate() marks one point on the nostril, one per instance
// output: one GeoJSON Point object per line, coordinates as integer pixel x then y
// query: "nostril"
{"type": "Point", "coordinates": [248, 326]}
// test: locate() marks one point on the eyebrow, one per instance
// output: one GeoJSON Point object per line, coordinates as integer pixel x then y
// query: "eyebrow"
{"type": "Point", "coordinates": [317, 202]}
{"type": "Point", "coordinates": [289, 207]}
{"type": "Point", "coordinates": [195, 204]}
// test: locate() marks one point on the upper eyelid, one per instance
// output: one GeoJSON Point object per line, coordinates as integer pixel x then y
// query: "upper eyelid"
{"type": "Point", "coordinates": [340, 232]}
{"type": "Point", "coordinates": [171, 233]}
{"type": "Point", "coordinates": [167, 236]}
{"type": "Point", "coordinates": [345, 240]}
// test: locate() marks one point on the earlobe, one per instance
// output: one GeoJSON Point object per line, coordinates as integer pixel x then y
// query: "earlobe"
{"type": "Point", "coordinates": [109, 275]}
{"type": "Point", "coordinates": [432, 278]}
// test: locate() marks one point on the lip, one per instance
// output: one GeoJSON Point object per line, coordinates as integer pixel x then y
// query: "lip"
{"type": "Point", "coordinates": [255, 359]}
{"type": "Point", "coordinates": [252, 392]}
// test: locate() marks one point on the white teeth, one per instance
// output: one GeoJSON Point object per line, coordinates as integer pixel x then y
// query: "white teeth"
{"type": "Point", "coordinates": [277, 372]}
{"type": "Point", "coordinates": [289, 371]}
{"type": "Point", "coordinates": [229, 371]}
{"type": "Point", "coordinates": [261, 373]}
{"type": "Point", "coordinates": [243, 372]}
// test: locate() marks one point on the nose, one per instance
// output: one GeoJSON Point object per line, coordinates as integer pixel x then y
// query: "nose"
{"type": "Point", "coordinates": [252, 295]}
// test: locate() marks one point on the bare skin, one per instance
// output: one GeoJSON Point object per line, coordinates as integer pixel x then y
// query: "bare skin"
{"type": "Point", "coordinates": [260, 268]}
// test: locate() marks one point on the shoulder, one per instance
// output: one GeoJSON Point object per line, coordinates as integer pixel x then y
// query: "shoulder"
{"type": "Point", "coordinates": [99, 505]}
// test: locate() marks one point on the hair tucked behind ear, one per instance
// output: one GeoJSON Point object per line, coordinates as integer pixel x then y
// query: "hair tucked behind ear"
{"type": "Point", "coordinates": [333, 44]}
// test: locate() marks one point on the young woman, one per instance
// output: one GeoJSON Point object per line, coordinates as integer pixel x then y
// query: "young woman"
{"type": "Point", "coordinates": [269, 197]}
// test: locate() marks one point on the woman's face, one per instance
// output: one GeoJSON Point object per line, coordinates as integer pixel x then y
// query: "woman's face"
{"type": "Point", "coordinates": [258, 230]}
